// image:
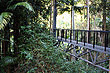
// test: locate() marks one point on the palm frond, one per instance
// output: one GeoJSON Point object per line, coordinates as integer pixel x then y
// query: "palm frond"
{"type": "Point", "coordinates": [25, 4]}
{"type": "Point", "coordinates": [4, 19]}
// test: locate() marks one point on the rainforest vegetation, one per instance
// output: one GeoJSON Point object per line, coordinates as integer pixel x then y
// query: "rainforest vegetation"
{"type": "Point", "coordinates": [26, 41]}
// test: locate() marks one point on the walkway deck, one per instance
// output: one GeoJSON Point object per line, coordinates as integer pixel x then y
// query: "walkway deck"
{"type": "Point", "coordinates": [87, 45]}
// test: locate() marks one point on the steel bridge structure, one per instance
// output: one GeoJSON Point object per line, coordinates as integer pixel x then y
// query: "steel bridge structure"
{"type": "Point", "coordinates": [92, 46]}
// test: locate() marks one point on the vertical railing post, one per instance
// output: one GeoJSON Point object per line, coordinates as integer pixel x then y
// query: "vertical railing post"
{"type": "Point", "coordinates": [105, 41]}
{"type": "Point", "coordinates": [73, 34]}
{"type": "Point", "coordinates": [62, 33]}
{"type": "Point", "coordinates": [70, 35]}
{"type": "Point", "coordinates": [77, 36]}
{"type": "Point", "coordinates": [65, 35]}
{"type": "Point", "coordinates": [97, 38]}
{"type": "Point", "coordinates": [57, 33]}
{"type": "Point", "coordinates": [84, 37]}
{"type": "Point", "coordinates": [81, 36]}
{"type": "Point", "coordinates": [94, 40]}
{"type": "Point", "coordinates": [88, 40]}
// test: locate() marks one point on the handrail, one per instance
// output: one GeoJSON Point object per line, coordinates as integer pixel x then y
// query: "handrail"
{"type": "Point", "coordinates": [84, 30]}
{"type": "Point", "coordinates": [88, 36]}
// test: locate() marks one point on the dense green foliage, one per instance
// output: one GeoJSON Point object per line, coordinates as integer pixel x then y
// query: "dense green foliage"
{"type": "Point", "coordinates": [37, 53]}
{"type": "Point", "coordinates": [33, 43]}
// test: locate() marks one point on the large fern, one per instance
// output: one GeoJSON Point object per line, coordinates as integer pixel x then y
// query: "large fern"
{"type": "Point", "coordinates": [25, 4]}
{"type": "Point", "coordinates": [6, 16]}
{"type": "Point", "coordinates": [4, 19]}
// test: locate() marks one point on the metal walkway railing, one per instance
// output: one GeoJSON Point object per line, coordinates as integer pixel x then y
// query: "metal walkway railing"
{"type": "Point", "coordinates": [92, 46]}
{"type": "Point", "coordinates": [92, 38]}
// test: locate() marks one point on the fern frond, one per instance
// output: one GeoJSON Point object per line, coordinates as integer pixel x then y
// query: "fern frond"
{"type": "Point", "coordinates": [25, 4]}
{"type": "Point", "coordinates": [6, 61]}
{"type": "Point", "coordinates": [5, 18]}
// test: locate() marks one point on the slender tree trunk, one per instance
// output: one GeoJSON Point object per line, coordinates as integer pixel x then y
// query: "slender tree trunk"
{"type": "Point", "coordinates": [73, 22]}
{"type": "Point", "coordinates": [0, 44]}
{"type": "Point", "coordinates": [16, 34]}
{"type": "Point", "coordinates": [7, 38]}
{"type": "Point", "coordinates": [3, 44]}
{"type": "Point", "coordinates": [88, 26]}
{"type": "Point", "coordinates": [94, 22]}
{"type": "Point", "coordinates": [88, 20]}
{"type": "Point", "coordinates": [71, 17]}
{"type": "Point", "coordinates": [104, 19]}
{"type": "Point", "coordinates": [51, 16]}
{"type": "Point", "coordinates": [104, 15]}
{"type": "Point", "coordinates": [73, 27]}
{"type": "Point", "coordinates": [5, 41]}
{"type": "Point", "coordinates": [88, 15]}
{"type": "Point", "coordinates": [54, 15]}
{"type": "Point", "coordinates": [109, 65]}
{"type": "Point", "coordinates": [104, 23]}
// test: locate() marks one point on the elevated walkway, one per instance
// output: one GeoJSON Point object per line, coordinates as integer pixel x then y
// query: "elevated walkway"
{"type": "Point", "coordinates": [92, 46]}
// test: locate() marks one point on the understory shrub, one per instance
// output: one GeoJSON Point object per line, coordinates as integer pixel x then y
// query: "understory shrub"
{"type": "Point", "coordinates": [37, 53]}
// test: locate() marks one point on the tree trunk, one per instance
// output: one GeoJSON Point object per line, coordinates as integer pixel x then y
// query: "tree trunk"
{"type": "Point", "coordinates": [3, 44]}
{"type": "Point", "coordinates": [104, 15]}
{"type": "Point", "coordinates": [54, 15]}
{"type": "Point", "coordinates": [73, 27]}
{"type": "Point", "coordinates": [88, 26]}
{"type": "Point", "coordinates": [88, 20]}
{"type": "Point", "coordinates": [104, 24]}
{"type": "Point", "coordinates": [104, 20]}
{"type": "Point", "coordinates": [94, 22]}
{"type": "Point", "coordinates": [51, 17]}
{"type": "Point", "coordinates": [109, 65]}
{"type": "Point", "coordinates": [0, 44]}
{"type": "Point", "coordinates": [5, 41]}
{"type": "Point", "coordinates": [71, 17]}
{"type": "Point", "coordinates": [88, 15]}
{"type": "Point", "coordinates": [16, 34]}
